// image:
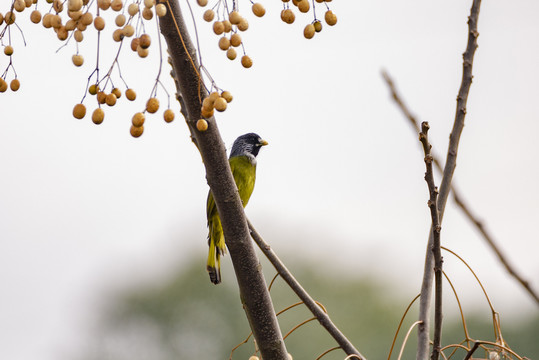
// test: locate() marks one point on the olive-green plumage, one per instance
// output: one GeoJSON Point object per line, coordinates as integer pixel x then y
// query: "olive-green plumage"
{"type": "Point", "coordinates": [243, 165]}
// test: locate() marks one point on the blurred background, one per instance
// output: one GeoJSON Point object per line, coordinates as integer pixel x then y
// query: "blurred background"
{"type": "Point", "coordinates": [103, 236]}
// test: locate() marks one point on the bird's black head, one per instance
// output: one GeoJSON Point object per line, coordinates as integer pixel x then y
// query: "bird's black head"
{"type": "Point", "coordinates": [248, 144]}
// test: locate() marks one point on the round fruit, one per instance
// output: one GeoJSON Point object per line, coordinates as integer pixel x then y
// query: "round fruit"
{"type": "Point", "coordinates": [15, 84]}
{"type": "Point", "coordinates": [138, 119]}
{"type": "Point", "coordinates": [160, 10]}
{"type": "Point", "coordinates": [228, 26]}
{"type": "Point", "coordinates": [224, 43]}
{"type": "Point", "coordinates": [231, 54]}
{"type": "Point", "coordinates": [120, 20]}
{"type": "Point", "coordinates": [117, 92]}
{"type": "Point", "coordinates": [110, 99]}
{"type": "Point", "coordinates": [234, 17]}
{"type": "Point", "coordinates": [98, 116]}
{"type": "Point", "coordinates": [218, 27]}
{"type": "Point", "coordinates": [136, 131]}
{"type": "Point", "coordinates": [101, 97]}
{"type": "Point", "coordinates": [317, 26]}
{"type": "Point", "coordinates": [145, 41]}
{"type": "Point", "coordinates": [288, 16]}
{"type": "Point", "coordinates": [209, 15]}
{"type": "Point", "coordinates": [77, 59]}
{"type": "Point", "coordinates": [99, 23]}
{"type": "Point", "coordinates": [258, 9]}
{"type": "Point", "coordinates": [331, 18]}
{"type": "Point", "coordinates": [235, 40]}
{"type": "Point", "coordinates": [168, 115]}
{"type": "Point", "coordinates": [130, 94]}
{"type": "Point", "coordinates": [227, 96]}
{"type": "Point", "coordinates": [93, 89]}
{"type": "Point", "coordinates": [116, 5]}
{"type": "Point", "coordinates": [132, 9]}
{"type": "Point", "coordinates": [304, 6]}
{"type": "Point", "coordinates": [147, 13]}
{"type": "Point", "coordinates": [142, 52]}
{"type": "Point", "coordinates": [309, 31]}
{"type": "Point", "coordinates": [246, 61]}
{"type": "Point", "coordinates": [35, 16]}
{"type": "Point", "coordinates": [243, 25]}
{"type": "Point", "coordinates": [202, 2]}
{"type": "Point", "coordinates": [202, 125]}
{"type": "Point", "coordinates": [129, 30]}
{"type": "Point", "coordinates": [3, 85]}
{"type": "Point", "coordinates": [220, 104]}
{"type": "Point", "coordinates": [152, 105]}
{"type": "Point", "coordinates": [79, 111]}
{"type": "Point", "coordinates": [8, 50]}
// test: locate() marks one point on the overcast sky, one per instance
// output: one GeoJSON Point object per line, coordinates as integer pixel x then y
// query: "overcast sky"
{"type": "Point", "coordinates": [84, 208]}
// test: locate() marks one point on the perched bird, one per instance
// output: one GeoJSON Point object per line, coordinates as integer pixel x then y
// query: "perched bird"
{"type": "Point", "coordinates": [243, 165]}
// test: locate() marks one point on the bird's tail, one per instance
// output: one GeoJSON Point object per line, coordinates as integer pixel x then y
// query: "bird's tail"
{"type": "Point", "coordinates": [216, 241]}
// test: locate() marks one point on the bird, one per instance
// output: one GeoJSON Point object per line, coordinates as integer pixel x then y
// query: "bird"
{"type": "Point", "coordinates": [242, 162]}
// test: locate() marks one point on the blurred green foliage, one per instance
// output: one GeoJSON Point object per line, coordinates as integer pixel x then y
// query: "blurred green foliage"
{"type": "Point", "coordinates": [187, 317]}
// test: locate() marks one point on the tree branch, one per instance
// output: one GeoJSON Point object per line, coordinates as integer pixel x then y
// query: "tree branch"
{"type": "Point", "coordinates": [322, 317]}
{"type": "Point", "coordinates": [449, 169]}
{"type": "Point", "coordinates": [436, 229]}
{"type": "Point", "coordinates": [253, 290]}
{"type": "Point", "coordinates": [457, 196]}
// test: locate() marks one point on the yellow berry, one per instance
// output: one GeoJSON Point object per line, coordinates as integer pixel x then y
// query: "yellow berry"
{"type": "Point", "coordinates": [19, 5]}
{"type": "Point", "coordinates": [117, 92]}
{"type": "Point", "coordinates": [208, 15]}
{"type": "Point", "coordinates": [118, 35]}
{"type": "Point", "coordinates": [218, 27]}
{"type": "Point", "coordinates": [309, 31]}
{"type": "Point", "coordinates": [288, 16]}
{"type": "Point", "coordinates": [228, 26]}
{"type": "Point", "coordinates": [132, 9]}
{"type": "Point", "coordinates": [79, 111]}
{"type": "Point", "coordinates": [234, 17]}
{"type": "Point", "coordinates": [62, 33]}
{"type": "Point", "coordinates": [304, 6]}
{"type": "Point", "coordinates": [15, 84]}
{"type": "Point", "coordinates": [142, 52]}
{"type": "Point", "coordinates": [35, 17]}
{"type": "Point", "coordinates": [8, 50]}
{"type": "Point", "coordinates": [110, 99]}
{"type": "Point", "coordinates": [136, 131]}
{"type": "Point", "coordinates": [317, 26]}
{"type": "Point", "coordinates": [74, 5]}
{"type": "Point", "coordinates": [46, 21]}
{"type": "Point", "coordinates": [224, 43]}
{"type": "Point", "coordinates": [145, 41]}
{"type": "Point", "coordinates": [220, 104]}
{"type": "Point", "coordinates": [149, 3]}
{"type": "Point", "coordinates": [227, 96]}
{"type": "Point", "coordinates": [168, 115]}
{"type": "Point", "coordinates": [77, 34]}
{"type": "Point", "coordinates": [202, 2]}
{"type": "Point", "coordinates": [9, 18]}
{"type": "Point", "coordinates": [246, 61]}
{"type": "Point", "coordinates": [243, 25]}
{"type": "Point", "coordinates": [120, 20]}
{"type": "Point", "coordinates": [101, 97]}
{"type": "Point", "coordinates": [86, 18]}
{"type": "Point", "coordinates": [258, 9]}
{"type": "Point", "coordinates": [98, 116]}
{"type": "Point", "coordinates": [138, 119]}
{"type": "Point", "coordinates": [103, 4]}
{"type": "Point", "coordinates": [231, 54]}
{"type": "Point", "coordinates": [147, 13]}
{"type": "Point", "coordinates": [77, 59]}
{"type": "Point", "coordinates": [93, 89]}
{"type": "Point", "coordinates": [3, 85]}
{"type": "Point", "coordinates": [331, 18]}
{"type": "Point", "coordinates": [129, 30]}
{"type": "Point", "coordinates": [160, 10]}
{"type": "Point", "coordinates": [130, 94]}
{"type": "Point", "coordinates": [134, 44]}
{"type": "Point", "coordinates": [99, 23]}
{"type": "Point", "coordinates": [207, 113]}
{"type": "Point", "coordinates": [116, 5]}
{"type": "Point", "coordinates": [202, 125]}
{"type": "Point", "coordinates": [152, 105]}
{"type": "Point", "coordinates": [235, 40]}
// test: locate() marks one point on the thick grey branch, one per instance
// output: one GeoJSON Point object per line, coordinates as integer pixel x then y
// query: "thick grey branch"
{"type": "Point", "coordinates": [253, 291]}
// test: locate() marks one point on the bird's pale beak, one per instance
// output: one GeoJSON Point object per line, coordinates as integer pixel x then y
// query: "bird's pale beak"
{"type": "Point", "coordinates": [263, 142]}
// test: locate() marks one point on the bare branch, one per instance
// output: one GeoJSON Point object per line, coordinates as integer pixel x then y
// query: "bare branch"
{"type": "Point", "coordinates": [253, 291]}
{"type": "Point", "coordinates": [457, 196]}
{"type": "Point", "coordinates": [436, 229]}
{"type": "Point", "coordinates": [317, 311]}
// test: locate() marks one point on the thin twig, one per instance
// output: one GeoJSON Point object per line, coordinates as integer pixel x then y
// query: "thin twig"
{"type": "Point", "coordinates": [317, 311]}
{"type": "Point", "coordinates": [406, 338]}
{"type": "Point", "coordinates": [400, 324]}
{"type": "Point", "coordinates": [457, 196]}
{"type": "Point", "coordinates": [436, 229]}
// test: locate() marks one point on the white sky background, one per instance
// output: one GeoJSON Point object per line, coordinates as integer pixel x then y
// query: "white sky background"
{"type": "Point", "coordinates": [84, 208]}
